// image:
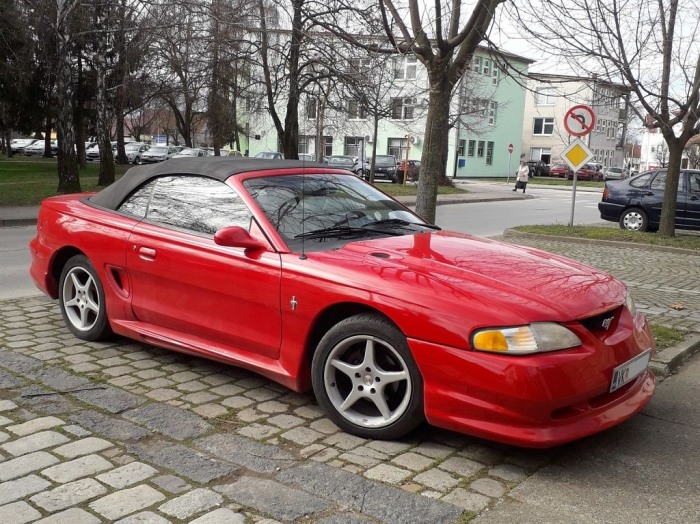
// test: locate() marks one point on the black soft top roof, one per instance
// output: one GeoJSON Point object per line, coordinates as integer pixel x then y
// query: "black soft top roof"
{"type": "Point", "coordinates": [220, 168]}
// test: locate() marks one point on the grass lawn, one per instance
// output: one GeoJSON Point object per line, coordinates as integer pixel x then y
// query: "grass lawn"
{"type": "Point", "coordinates": [26, 181]}
{"type": "Point", "coordinates": [683, 239]}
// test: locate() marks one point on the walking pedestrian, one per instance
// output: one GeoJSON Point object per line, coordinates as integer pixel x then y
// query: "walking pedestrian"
{"type": "Point", "coordinates": [521, 176]}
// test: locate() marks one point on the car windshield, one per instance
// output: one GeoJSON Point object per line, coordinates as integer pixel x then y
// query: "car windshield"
{"type": "Point", "coordinates": [132, 147]}
{"type": "Point", "coordinates": [341, 161]}
{"type": "Point", "coordinates": [270, 155]}
{"type": "Point", "coordinates": [385, 160]}
{"type": "Point", "coordinates": [320, 212]}
{"type": "Point", "coordinates": [159, 150]}
{"type": "Point", "coordinates": [189, 152]}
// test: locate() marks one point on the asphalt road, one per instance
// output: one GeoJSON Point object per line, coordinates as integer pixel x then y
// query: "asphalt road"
{"type": "Point", "coordinates": [547, 206]}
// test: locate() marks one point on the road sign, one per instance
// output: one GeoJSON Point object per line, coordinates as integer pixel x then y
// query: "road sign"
{"type": "Point", "coordinates": [576, 155]}
{"type": "Point", "coordinates": [579, 120]}
{"type": "Point", "coordinates": [510, 148]}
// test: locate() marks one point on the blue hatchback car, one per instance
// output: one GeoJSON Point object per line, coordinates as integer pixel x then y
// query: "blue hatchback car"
{"type": "Point", "coordinates": [635, 203]}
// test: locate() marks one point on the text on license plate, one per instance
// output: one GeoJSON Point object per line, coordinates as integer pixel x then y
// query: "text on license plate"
{"type": "Point", "coordinates": [630, 370]}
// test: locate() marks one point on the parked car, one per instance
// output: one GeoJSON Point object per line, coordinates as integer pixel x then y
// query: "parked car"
{"type": "Point", "coordinates": [190, 152]}
{"type": "Point", "coordinates": [590, 172]}
{"type": "Point", "coordinates": [538, 168]}
{"type": "Point", "coordinates": [134, 151]}
{"type": "Point", "coordinates": [318, 280]}
{"type": "Point", "coordinates": [209, 151]}
{"type": "Point", "coordinates": [385, 168]}
{"type": "Point", "coordinates": [270, 155]}
{"type": "Point", "coordinates": [307, 157]}
{"type": "Point", "coordinates": [18, 145]}
{"type": "Point", "coordinates": [635, 203]}
{"type": "Point", "coordinates": [413, 170]}
{"type": "Point", "coordinates": [614, 173]}
{"type": "Point", "coordinates": [561, 170]}
{"type": "Point", "coordinates": [39, 147]}
{"type": "Point", "coordinates": [159, 154]}
{"type": "Point", "coordinates": [350, 163]}
{"type": "Point", "coordinates": [93, 153]}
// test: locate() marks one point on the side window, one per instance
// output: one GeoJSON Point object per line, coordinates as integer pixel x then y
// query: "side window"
{"type": "Point", "coordinates": [659, 181]}
{"type": "Point", "coordinates": [197, 204]}
{"type": "Point", "coordinates": [694, 183]}
{"type": "Point", "coordinates": [642, 180]}
{"type": "Point", "coordinates": [137, 204]}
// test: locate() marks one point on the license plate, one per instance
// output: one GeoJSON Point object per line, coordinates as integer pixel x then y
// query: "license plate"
{"type": "Point", "coordinates": [630, 370]}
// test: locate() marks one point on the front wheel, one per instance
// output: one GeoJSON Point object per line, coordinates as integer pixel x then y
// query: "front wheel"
{"type": "Point", "coordinates": [365, 378]}
{"type": "Point", "coordinates": [82, 300]}
{"type": "Point", "coordinates": [634, 219]}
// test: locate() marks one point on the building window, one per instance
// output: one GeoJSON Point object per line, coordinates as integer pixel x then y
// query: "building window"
{"type": "Point", "coordinates": [543, 126]}
{"type": "Point", "coordinates": [360, 66]}
{"type": "Point", "coordinates": [495, 74]}
{"type": "Point", "coordinates": [397, 147]}
{"type": "Point", "coordinates": [486, 67]}
{"type": "Point", "coordinates": [405, 67]}
{"type": "Point", "coordinates": [491, 112]}
{"type": "Point", "coordinates": [327, 146]}
{"type": "Point", "coordinates": [304, 141]}
{"type": "Point", "coordinates": [462, 146]}
{"type": "Point", "coordinates": [489, 153]}
{"type": "Point", "coordinates": [545, 96]}
{"type": "Point", "coordinates": [476, 64]}
{"type": "Point", "coordinates": [402, 108]}
{"type": "Point", "coordinates": [311, 108]}
{"type": "Point", "coordinates": [356, 111]}
{"type": "Point", "coordinates": [541, 153]}
{"type": "Point", "coordinates": [480, 149]}
{"type": "Point", "coordinates": [353, 145]}
{"type": "Point", "coordinates": [470, 149]}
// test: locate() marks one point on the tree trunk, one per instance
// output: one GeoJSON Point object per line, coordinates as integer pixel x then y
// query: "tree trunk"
{"type": "Point", "coordinates": [432, 161]}
{"type": "Point", "coordinates": [667, 224]}
{"type": "Point", "coordinates": [68, 178]}
{"type": "Point", "coordinates": [103, 121]}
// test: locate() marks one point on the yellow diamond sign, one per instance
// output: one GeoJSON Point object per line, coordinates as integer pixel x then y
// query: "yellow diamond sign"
{"type": "Point", "coordinates": [576, 155]}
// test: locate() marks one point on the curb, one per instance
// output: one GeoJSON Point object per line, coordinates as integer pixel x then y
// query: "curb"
{"type": "Point", "coordinates": [17, 222]}
{"type": "Point", "coordinates": [512, 233]}
{"type": "Point", "coordinates": [667, 361]}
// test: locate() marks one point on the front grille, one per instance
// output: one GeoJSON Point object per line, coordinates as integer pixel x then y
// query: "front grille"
{"type": "Point", "coordinates": [604, 322]}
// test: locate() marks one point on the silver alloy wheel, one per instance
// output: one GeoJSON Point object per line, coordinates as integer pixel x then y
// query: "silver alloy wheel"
{"type": "Point", "coordinates": [367, 381]}
{"type": "Point", "coordinates": [81, 299]}
{"type": "Point", "coordinates": [633, 221]}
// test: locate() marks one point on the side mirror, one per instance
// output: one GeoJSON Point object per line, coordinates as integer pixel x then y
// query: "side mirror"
{"type": "Point", "coordinates": [236, 236]}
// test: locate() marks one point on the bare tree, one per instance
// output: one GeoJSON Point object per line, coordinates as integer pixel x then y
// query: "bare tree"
{"type": "Point", "coordinates": [650, 46]}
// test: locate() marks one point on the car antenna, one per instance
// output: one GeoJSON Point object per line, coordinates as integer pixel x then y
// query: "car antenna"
{"type": "Point", "coordinates": [303, 214]}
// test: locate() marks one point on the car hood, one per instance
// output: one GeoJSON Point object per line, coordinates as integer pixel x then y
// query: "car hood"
{"type": "Point", "coordinates": [510, 281]}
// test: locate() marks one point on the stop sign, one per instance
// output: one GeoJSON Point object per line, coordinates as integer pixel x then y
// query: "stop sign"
{"type": "Point", "coordinates": [510, 148]}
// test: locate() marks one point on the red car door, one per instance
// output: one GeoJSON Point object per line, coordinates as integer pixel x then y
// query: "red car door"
{"type": "Point", "coordinates": [183, 281]}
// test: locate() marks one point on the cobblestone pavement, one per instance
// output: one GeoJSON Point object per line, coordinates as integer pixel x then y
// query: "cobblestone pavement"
{"type": "Point", "coordinates": [125, 432]}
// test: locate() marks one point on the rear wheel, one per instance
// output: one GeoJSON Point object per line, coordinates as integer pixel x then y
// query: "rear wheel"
{"type": "Point", "coordinates": [634, 219]}
{"type": "Point", "coordinates": [82, 300]}
{"type": "Point", "coordinates": [365, 378]}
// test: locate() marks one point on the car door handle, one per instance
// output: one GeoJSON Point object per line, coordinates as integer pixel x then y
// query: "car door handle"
{"type": "Point", "coordinates": [147, 253]}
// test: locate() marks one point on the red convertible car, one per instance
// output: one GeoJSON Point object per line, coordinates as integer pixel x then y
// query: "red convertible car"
{"type": "Point", "coordinates": [316, 279]}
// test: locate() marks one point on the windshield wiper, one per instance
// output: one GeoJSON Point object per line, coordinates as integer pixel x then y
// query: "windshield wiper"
{"type": "Point", "coordinates": [397, 222]}
{"type": "Point", "coordinates": [341, 231]}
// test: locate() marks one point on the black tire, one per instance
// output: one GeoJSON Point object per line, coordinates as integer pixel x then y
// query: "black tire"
{"type": "Point", "coordinates": [82, 300]}
{"type": "Point", "coordinates": [365, 379]}
{"type": "Point", "coordinates": [634, 219]}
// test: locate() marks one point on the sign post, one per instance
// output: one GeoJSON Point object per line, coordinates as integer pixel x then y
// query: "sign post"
{"type": "Point", "coordinates": [578, 122]}
{"type": "Point", "coordinates": [510, 157]}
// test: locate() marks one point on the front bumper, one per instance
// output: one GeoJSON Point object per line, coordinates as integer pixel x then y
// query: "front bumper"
{"type": "Point", "coordinates": [536, 401]}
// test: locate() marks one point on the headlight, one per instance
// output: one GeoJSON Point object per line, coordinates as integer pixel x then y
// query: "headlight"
{"type": "Point", "coordinates": [537, 337]}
